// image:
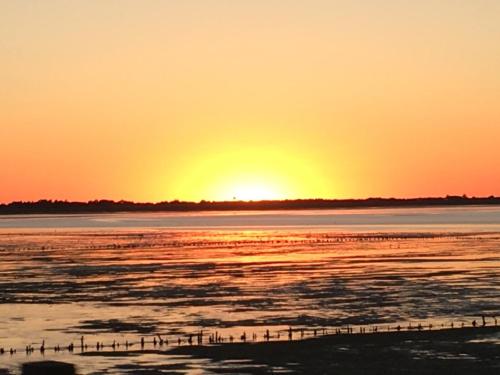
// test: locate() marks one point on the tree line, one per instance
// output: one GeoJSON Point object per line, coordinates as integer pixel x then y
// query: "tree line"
{"type": "Point", "coordinates": [45, 206]}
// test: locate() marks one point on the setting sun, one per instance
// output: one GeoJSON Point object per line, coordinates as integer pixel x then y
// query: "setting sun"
{"type": "Point", "coordinates": [214, 100]}
{"type": "Point", "coordinates": [252, 191]}
{"type": "Point", "coordinates": [231, 186]}
{"type": "Point", "coordinates": [253, 173]}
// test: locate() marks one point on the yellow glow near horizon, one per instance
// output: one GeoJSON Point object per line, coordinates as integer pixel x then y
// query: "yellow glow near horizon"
{"type": "Point", "coordinates": [214, 100]}
{"type": "Point", "coordinates": [252, 191]}
{"type": "Point", "coordinates": [250, 174]}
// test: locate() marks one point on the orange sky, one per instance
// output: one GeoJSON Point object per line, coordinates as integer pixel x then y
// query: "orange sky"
{"type": "Point", "coordinates": [215, 99]}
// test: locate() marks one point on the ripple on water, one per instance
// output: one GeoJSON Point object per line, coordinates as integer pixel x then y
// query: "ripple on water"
{"type": "Point", "coordinates": [120, 285]}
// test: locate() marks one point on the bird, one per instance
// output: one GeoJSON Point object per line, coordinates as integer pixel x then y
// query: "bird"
{"type": "Point", "coordinates": [160, 340]}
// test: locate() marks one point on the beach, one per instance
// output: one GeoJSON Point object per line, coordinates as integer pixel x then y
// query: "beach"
{"type": "Point", "coordinates": [125, 277]}
{"type": "Point", "coordinates": [249, 187]}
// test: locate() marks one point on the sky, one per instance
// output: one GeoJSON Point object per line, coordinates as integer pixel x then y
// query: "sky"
{"type": "Point", "coordinates": [263, 99]}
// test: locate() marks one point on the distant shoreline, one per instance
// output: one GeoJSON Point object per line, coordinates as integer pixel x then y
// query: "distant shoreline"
{"type": "Point", "coordinates": [109, 206]}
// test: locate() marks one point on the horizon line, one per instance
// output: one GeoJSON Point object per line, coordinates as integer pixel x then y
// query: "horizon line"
{"type": "Point", "coordinates": [48, 207]}
{"type": "Point", "coordinates": [207, 201]}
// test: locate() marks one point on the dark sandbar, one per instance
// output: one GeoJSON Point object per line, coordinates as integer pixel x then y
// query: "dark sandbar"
{"type": "Point", "coordinates": [447, 351]}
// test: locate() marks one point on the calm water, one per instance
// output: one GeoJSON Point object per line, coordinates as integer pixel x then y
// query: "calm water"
{"type": "Point", "coordinates": [123, 276]}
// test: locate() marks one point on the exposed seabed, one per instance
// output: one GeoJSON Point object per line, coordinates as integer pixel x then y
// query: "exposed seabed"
{"type": "Point", "coordinates": [419, 350]}
{"type": "Point", "coordinates": [446, 351]}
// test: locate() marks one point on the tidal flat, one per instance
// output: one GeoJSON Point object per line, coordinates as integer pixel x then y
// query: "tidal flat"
{"type": "Point", "coordinates": [120, 278]}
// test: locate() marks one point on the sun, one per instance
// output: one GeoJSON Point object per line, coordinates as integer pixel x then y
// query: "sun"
{"type": "Point", "coordinates": [254, 191]}
{"type": "Point", "coordinates": [249, 174]}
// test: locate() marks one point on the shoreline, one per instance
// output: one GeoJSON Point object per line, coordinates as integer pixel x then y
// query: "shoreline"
{"type": "Point", "coordinates": [461, 350]}
{"type": "Point", "coordinates": [443, 351]}
{"type": "Point", "coordinates": [331, 338]}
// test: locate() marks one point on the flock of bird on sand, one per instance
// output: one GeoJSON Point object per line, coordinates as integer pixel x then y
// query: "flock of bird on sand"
{"type": "Point", "coordinates": [216, 338]}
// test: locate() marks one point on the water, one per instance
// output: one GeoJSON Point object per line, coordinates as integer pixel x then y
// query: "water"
{"type": "Point", "coordinates": [436, 218]}
{"type": "Point", "coordinates": [124, 276]}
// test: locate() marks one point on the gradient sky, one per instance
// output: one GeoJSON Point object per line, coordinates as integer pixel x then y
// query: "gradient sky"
{"type": "Point", "coordinates": [215, 99]}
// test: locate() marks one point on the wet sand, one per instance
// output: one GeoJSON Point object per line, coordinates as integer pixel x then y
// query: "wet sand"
{"type": "Point", "coordinates": [125, 283]}
{"type": "Point", "coordinates": [446, 351]}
